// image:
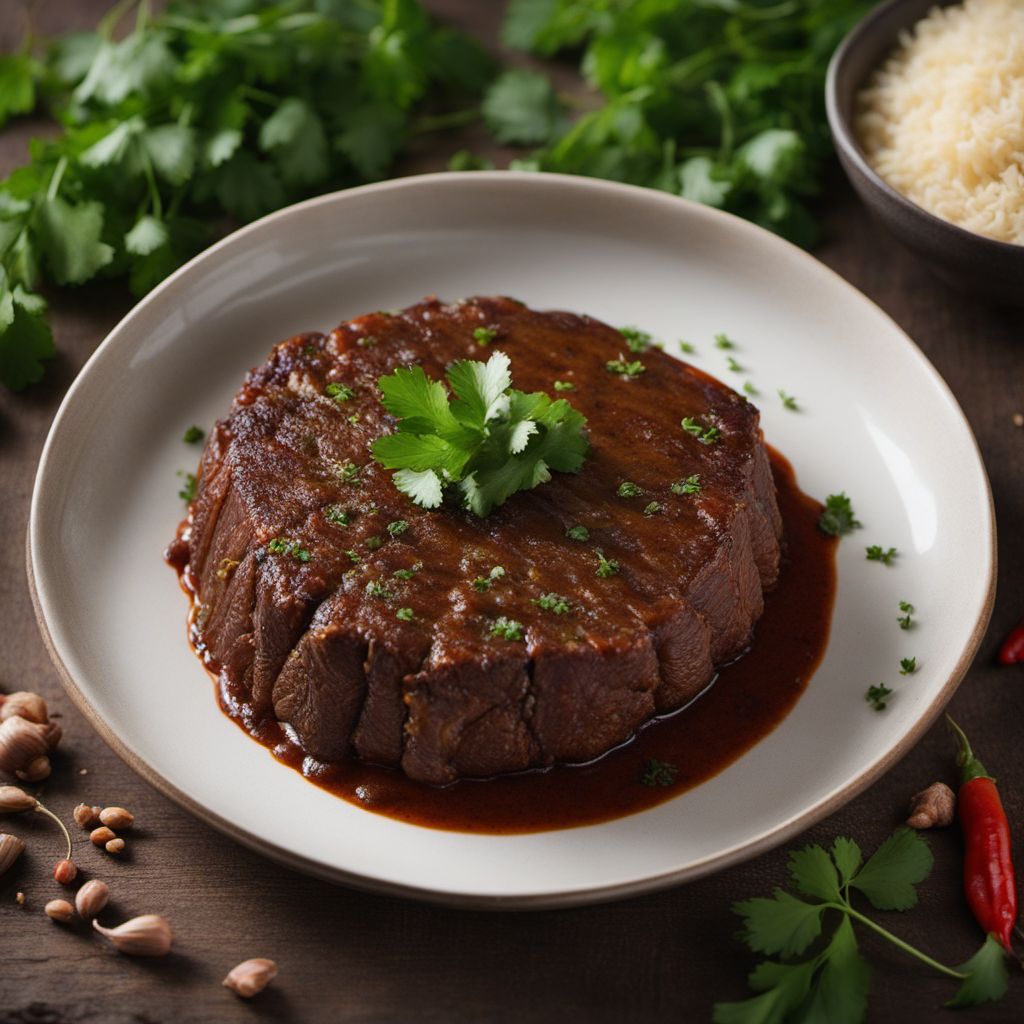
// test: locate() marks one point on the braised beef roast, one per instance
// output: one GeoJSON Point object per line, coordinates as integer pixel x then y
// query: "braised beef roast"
{"type": "Point", "coordinates": [381, 644]}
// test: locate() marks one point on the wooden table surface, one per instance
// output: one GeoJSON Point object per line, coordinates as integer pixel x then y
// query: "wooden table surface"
{"type": "Point", "coordinates": [348, 956]}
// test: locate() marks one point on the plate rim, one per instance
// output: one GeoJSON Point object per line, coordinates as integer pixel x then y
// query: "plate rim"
{"type": "Point", "coordinates": [548, 900]}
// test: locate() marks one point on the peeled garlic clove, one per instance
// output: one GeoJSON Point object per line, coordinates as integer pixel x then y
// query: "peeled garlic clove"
{"type": "Point", "coordinates": [11, 848]}
{"type": "Point", "coordinates": [28, 705]}
{"type": "Point", "coordinates": [36, 770]}
{"type": "Point", "coordinates": [13, 799]}
{"type": "Point", "coordinates": [59, 910]}
{"type": "Point", "coordinates": [65, 871]}
{"type": "Point", "coordinates": [92, 897]}
{"type": "Point", "coordinates": [21, 742]}
{"type": "Point", "coordinates": [116, 817]}
{"type": "Point", "coordinates": [148, 935]}
{"type": "Point", "coordinates": [86, 816]}
{"type": "Point", "coordinates": [251, 977]}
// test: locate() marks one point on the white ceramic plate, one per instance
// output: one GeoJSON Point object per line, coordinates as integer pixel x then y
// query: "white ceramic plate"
{"type": "Point", "coordinates": [876, 420]}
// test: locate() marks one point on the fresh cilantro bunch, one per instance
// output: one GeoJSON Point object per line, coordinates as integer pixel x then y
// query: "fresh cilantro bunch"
{"type": "Point", "coordinates": [720, 101]}
{"type": "Point", "coordinates": [215, 111]}
{"type": "Point", "coordinates": [487, 443]}
{"type": "Point", "coordinates": [832, 983]}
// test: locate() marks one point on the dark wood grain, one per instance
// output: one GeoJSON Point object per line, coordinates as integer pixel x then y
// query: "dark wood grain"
{"type": "Point", "coordinates": [347, 956]}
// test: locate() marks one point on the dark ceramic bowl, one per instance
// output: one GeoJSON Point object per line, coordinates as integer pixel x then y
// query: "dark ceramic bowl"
{"type": "Point", "coordinates": [982, 266]}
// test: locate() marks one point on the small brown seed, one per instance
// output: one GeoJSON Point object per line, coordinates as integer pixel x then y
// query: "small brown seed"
{"type": "Point", "coordinates": [92, 897]}
{"type": "Point", "coordinates": [149, 935]}
{"type": "Point", "coordinates": [115, 846]}
{"type": "Point", "coordinates": [28, 705]}
{"type": "Point", "coordinates": [1018, 419]}
{"type": "Point", "coordinates": [11, 848]}
{"type": "Point", "coordinates": [36, 770]}
{"type": "Point", "coordinates": [19, 898]}
{"type": "Point", "coordinates": [65, 872]}
{"type": "Point", "coordinates": [933, 807]}
{"type": "Point", "coordinates": [101, 836]}
{"type": "Point", "coordinates": [116, 817]}
{"type": "Point", "coordinates": [13, 799]}
{"type": "Point", "coordinates": [251, 977]}
{"type": "Point", "coordinates": [86, 816]}
{"type": "Point", "coordinates": [59, 910]}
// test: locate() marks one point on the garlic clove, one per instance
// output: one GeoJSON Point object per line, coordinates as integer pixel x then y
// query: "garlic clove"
{"type": "Point", "coordinates": [13, 799]}
{"type": "Point", "coordinates": [251, 977]}
{"type": "Point", "coordinates": [116, 817]}
{"type": "Point", "coordinates": [86, 816]}
{"type": "Point", "coordinates": [148, 935]}
{"type": "Point", "coordinates": [36, 770]}
{"type": "Point", "coordinates": [27, 705]}
{"type": "Point", "coordinates": [65, 871]}
{"type": "Point", "coordinates": [115, 846]}
{"type": "Point", "coordinates": [11, 848]}
{"type": "Point", "coordinates": [92, 897]}
{"type": "Point", "coordinates": [101, 836]}
{"type": "Point", "coordinates": [21, 742]}
{"type": "Point", "coordinates": [59, 910]}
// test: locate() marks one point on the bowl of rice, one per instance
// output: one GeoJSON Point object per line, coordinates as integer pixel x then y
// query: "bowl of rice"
{"type": "Point", "coordinates": [926, 105]}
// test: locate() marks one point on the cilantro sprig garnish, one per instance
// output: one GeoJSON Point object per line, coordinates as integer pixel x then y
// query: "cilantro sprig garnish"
{"type": "Point", "coordinates": [876, 553]}
{"type": "Point", "coordinates": [838, 519]}
{"type": "Point", "coordinates": [485, 444]}
{"type": "Point", "coordinates": [833, 982]}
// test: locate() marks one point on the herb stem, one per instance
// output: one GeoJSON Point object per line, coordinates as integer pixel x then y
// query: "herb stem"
{"type": "Point", "coordinates": [58, 174]}
{"type": "Point", "coordinates": [453, 119]}
{"type": "Point", "coordinates": [897, 941]}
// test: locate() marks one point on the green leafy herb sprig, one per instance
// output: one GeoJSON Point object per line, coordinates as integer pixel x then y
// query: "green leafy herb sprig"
{"type": "Point", "coordinates": [832, 983]}
{"type": "Point", "coordinates": [214, 111]}
{"type": "Point", "coordinates": [486, 444]}
{"type": "Point", "coordinates": [718, 102]}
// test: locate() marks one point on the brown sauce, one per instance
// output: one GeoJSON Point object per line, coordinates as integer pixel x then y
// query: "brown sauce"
{"type": "Point", "coordinates": [747, 700]}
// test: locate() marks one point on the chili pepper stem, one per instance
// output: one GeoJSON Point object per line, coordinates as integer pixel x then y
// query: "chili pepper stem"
{"type": "Point", "coordinates": [970, 766]}
{"type": "Point", "coordinates": [898, 942]}
{"type": "Point", "coordinates": [67, 836]}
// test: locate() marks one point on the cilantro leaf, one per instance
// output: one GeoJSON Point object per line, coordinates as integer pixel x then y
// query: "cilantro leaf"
{"type": "Point", "coordinates": [17, 85]}
{"type": "Point", "coordinates": [69, 237]}
{"type": "Point", "coordinates": [487, 443]}
{"type": "Point", "coordinates": [838, 519]}
{"type": "Point", "coordinates": [840, 991]}
{"type": "Point", "coordinates": [783, 988]}
{"type": "Point", "coordinates": [294, 134]}
{"type": "Point", "coordinates": [148, 235]}
{"type": "Point", "coordinates": [890, 874]}
{"type": "Point", "coordinates": [987, 978]}
{"type": "Point", "coordinates": [172, 149]}
{"type": "Point", "coordinates": [521, 107]}
{"type": "Point", "coordinates": [847, 858]}
{"type": "Point", "coordinates": [780, 924]}
{"type": "Point", "coordinates": [814, 873]}
{"type": "Point", "coordinates": [25, 344]}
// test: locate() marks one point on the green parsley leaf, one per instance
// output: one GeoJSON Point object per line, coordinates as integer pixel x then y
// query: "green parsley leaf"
{"type": "Point", "coordinates": [783, 989]}
{"type": "Point", "coordinates": [69, 238]}
{"type": "Point", "coordinates": [628, 489]}
{"type": "Point", "coordinates": [906, 620]}
{"type": "Point", "coordinates": [987, 979]}
{"type": "Point", "coordinates": [606, 567]}
{"type": "Point", "coordinates": [507, 629]}
{"type": "Point", "coordinates": [658, 773]}
{"type": "Point", "coordinates": [284, 546]}
{"type": "Point", "coordinates": [749, 389]}
{"type": "Point", "coordinates": [553, 603]}
{"type": "Point", "coordinates": [687, 348]}
{"type": "Point", "coordinates": [398, 527]}
{"type": "Point", "coordinates": [889, 876]}
{"type": "Point", "coordinates": [374, 543]}
{"type": "Point", "coordinates": [188, 488]}
{"type": "Point", "coordinates": [723, 341]}
{"type": "Point", "coordinates": [578, 533]}
{"type": "Point", "coordinates": [877, 696]}
{"type": "Point", "coordinates": [847, 857]}
{"type": "Point", "coordinates": [17, 85]}
{"type": "Point", "coordinates": [25, 344]}
{"type": "Point", "coordinates": [636, 340]}
{"type": "Point", "coordinates": [404, 614]}
{"type": "Point", "coordinates": [521, 107]}
{"type": "Point", "coordinates": [337, 515]}
{"type": "Point", "coordinates": [193, 435]}
{"type": "Point", "coordinates": [341, 393]}
{"type": "Point", "coordinates": [147, 236]}
{"type": "Point", "coordinates": [781, 924]}
{"type": "Point", "coordinates": [813, 872]}
{"type": "Point", "coordinates": [652, 508]}
{"type": "Point", "coordinates": [840, 991]}
{"type": "Point", "coordinates": [875, 553]}
{"type": "Point", "coordinates": [733, 365]}
{"type": "Point", "coordinates": [788, 401]}
{"type": "Point", "coordinates": [564, 385]}
{"type": "Point", "coordinates": [838, 519]}
{"type": "Point", "coordinates": [908, 666]}
{"type": "Point", "coordinates": [484, 335]}
{"type": "Point", "coordinates": [294, 135]}
{"type": "Point", "coordinates": [483, 583]}
{"type": "Point", "coordinates": [488, 443]}
{"type": "Point", "coordinates": [691, 485]}
{"type": "Point", "coordinates": [374, 588]}
{"type": "Point", "coordinates": [622, 368]}
{"type": "Point", "coordinates": [706, 435]}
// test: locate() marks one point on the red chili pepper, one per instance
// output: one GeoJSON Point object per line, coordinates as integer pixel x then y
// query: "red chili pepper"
{"type": "Point", "coordinates": [1012, 651]}
{"type": "Point", "coordinates": [988, 870]}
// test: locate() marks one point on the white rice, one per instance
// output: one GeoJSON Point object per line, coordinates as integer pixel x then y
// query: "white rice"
{"type": "Point", "coordinates": [943, 119]}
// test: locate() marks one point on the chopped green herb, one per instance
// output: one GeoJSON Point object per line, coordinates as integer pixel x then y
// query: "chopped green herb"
{"type": "Point", "coordinates": [788, 401]}
{"type": "Point", "coordinates": [877, 696]}
{"type": "Point", "coordinates": [353, 556]}
{"type": "Point", "coordinates": [354, 418]}
{"type": "Point", "coordinates": [339, 392]}
{"type": "Point", "coordinates": [628, 489]}
{"type": "Point", "coordinates": [875, 553]}
{"type": "Point", "coordinates": [553, 603]}
{"type": "Point", "coordinates": [653, 508]}
{"type": "Point", "coordinates": [606, 566]}
{"type": "Point", "coordinates": [373, 543]}
{"type": "Point", "coordinates": [377, 589]}
{"type": "Point", "coordinates": [706, 435]}
{"type": "Point", "coordinates": [564, 385]}
{"type": "Point", "coordinates": [483, 583]}
{"type": "Point", "coordinates": [188, 488]}
{"type": "Point", "coordinates": [507, 629]}
{"type": "Point", "coordinates": [906, 620]}
{"type": "Point", "coordinates": [404, 614]}
{"type": "Point", "coordinates": [398, 527]}
{"type": "Point", "coordinates": [733, 365]}
{"type": "Point", "coordinates": [404, 574]}
{"type": "Point", "coordinates": [685, 346]}
{"type": "Point", "coordinates": [691, 485]}
{"type": "Point", "coordinates": [723, 341]}
{"type": "Point", "coordinates": [487, 443]}
{"type": "Point", "coordinates": [578, 532]}
{"type": "Point", "coordinates": [193, 435]}
{"type": "Point", "coordinates": [749, 389]}
{"type": "Point", "coordinates": [337, 515]}
{"type": "Point", "coordinates": [908, 666]}
{"type": "Point", "coordinates": [636, 340]}
{"type": "Point", "coordinates": [369, 341]}
{"type": "Point", "coordinates": [658, 773]}
{"type": "Point", "coordinates": [838, 519]}
{"type": "Point", "coordinates": [284, 546]}
{"type": "Point", "coordinates": [484, 335]}
{"type": "Point", "coordinates": [349, 473]}
{"type": "Point", "coordinates": [623, 369]}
